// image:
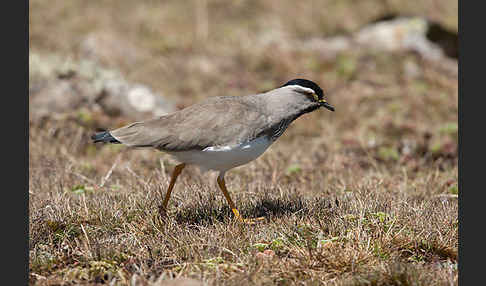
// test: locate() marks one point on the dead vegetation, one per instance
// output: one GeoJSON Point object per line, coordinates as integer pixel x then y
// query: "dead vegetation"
{"type": "Point", "coordinates": [366, 195]}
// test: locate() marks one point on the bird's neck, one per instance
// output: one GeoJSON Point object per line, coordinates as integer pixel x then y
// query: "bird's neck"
{"type": "Point", "coordinates": [282, 108]}
{"type": "Point", "coordinates": [283, 104]}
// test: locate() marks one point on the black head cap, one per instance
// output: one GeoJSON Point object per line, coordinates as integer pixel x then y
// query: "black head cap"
{"type": "Point", "coordinates": [307, 83]}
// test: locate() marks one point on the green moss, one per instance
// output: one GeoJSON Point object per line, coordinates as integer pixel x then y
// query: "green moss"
{"type": "Point", "coordinates": [81, 189]}
{"type": "Point", "coordinates": [84, 116]}
{"type": "Point", "coordinates": [260, 246]}
{"type": "Point", "coordinates": [292, 169]}
{"type": "Point", "coordinates": [277, 244]}
{"type": "Point", "coordinates": [380, 216]}
{"type": "Point", "coordinates": [454, 190]}
{"type": "Point", "coordinates": [388, 153]}
{"type": "Point", "coordinates": [450, 128]}
{"type": "Point", "coordinates": [91, 270]}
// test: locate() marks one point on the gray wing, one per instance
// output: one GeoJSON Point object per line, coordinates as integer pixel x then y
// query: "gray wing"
{"type": "Point", "coordinates": [218, 121]}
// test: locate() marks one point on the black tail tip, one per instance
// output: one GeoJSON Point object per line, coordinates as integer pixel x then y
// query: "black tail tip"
{"type": "Point", "coordinates": [104, 137]}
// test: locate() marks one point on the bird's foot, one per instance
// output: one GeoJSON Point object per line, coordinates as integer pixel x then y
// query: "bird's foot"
{"type": "Point", "coordinates": [249, 221]}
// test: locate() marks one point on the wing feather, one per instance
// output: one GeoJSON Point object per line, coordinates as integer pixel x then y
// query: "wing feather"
{"type": "Point", "coordinates": [218, 121]}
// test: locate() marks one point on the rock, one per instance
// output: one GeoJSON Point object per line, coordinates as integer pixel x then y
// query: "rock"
{"type": "Point", "coordinates": [55, 98]}
{"type": "Point", "coordinates": [59, 86]}
{"type": "Point", "coordinates": [119, 98]}
{"type": "Point", "coordinates": [396, 34]}
{"type": "Point", "coordinates": [399, 34]}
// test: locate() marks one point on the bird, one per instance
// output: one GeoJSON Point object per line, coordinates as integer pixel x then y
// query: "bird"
{"type": "Point", "coordinates": [221, 132]}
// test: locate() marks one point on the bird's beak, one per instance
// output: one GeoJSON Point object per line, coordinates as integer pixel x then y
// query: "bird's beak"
{"type": "Point", "coordinates": [324, 103]}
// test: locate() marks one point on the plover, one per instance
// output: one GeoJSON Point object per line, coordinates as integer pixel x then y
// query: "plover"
{"type": "Point", "coordinates": [221, 133]}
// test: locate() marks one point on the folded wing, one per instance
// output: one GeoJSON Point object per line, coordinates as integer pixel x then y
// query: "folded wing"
{"type": "Point", "coordinates": [219, 121]}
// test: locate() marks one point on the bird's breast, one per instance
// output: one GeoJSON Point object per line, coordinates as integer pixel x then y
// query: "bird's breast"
{"type": "Point", "coordinates": [223, 158]}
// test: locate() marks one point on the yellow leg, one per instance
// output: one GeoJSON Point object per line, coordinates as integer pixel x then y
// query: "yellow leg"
{"type": "Point", "coordinates": [175, 174]}
{"type": "Point", "coordinates": [222, 186]}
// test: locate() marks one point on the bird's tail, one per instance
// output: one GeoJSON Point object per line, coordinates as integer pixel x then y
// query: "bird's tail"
{"type": "Point", "coordinates": [104, 137]}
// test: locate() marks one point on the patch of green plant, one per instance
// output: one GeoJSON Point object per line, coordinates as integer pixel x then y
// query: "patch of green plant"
{"type": "Point", "coordinates": [454, 190]}
{"type": "Point", "coordinates": [420, 87]}
{"type": "Point", "coordinates": [323, 242]}
{"type": "Point", "coordinates": [379, 252]}
{"type": "Point", "coordinates": [345, 65]}
{"type": "Point", "coordinates": [84, 116]}
{"type": "Point", "coordinates": [296, 238]}
{"type": "Point", "coordinates": [350, 217]}
{"type": "Point", "coordinates": [313, 64]}
{"type": "Point", "coordinates": [277, 244]}
{"type": "Point", "coordinates": [115, 187]}
{"type": "Point", "coordinates": [292, 169]}
{"type": "Point", "coordinates": [213, 262]}
{"type": "Point", "coordinates": [91, 150]}
{"type": "Point", "coordinates": [260, 246]}
{"type": "Point", "coordinates": [436, 147]}
{"type": "Point", "coordinates": [117, 256]}
{"type": "Point", "coordinates": [388, 153]}
{"type": "Point", "coordinates": [81, 189]}
{"type": "Point", "coordinates": [62, 230]}
{"type": "Point", "coordinates": [449, 128]}
{"type": "Point", "coordinates": [380, 216]}
{"type": "Point", "coordinates": [416, 257]}
{"type": "Point", "coordinates": [91, 270]}
{"type": "Point", "coordinates": [86, 166]}
{"type": "Point", "coordinates": [70, 232]}
{"type": "Point", "coordinates": [394, 107]}
{"type": "Point", "coordinates": [115, 148]}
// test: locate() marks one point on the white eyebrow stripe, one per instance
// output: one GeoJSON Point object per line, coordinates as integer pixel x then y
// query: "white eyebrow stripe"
{"type": "Point", "coordinates": [302, 89]}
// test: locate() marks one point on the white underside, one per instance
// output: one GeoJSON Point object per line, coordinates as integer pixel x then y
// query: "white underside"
{"type": "Point", "coordinates": [223, 158]}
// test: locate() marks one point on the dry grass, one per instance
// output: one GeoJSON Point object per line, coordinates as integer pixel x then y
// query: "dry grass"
{"type": "Point", "coordinates": [366, 195]}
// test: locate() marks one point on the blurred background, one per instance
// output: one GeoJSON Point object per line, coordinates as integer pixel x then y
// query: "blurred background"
{"type": "Point", "coordinates": [112, 57]}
